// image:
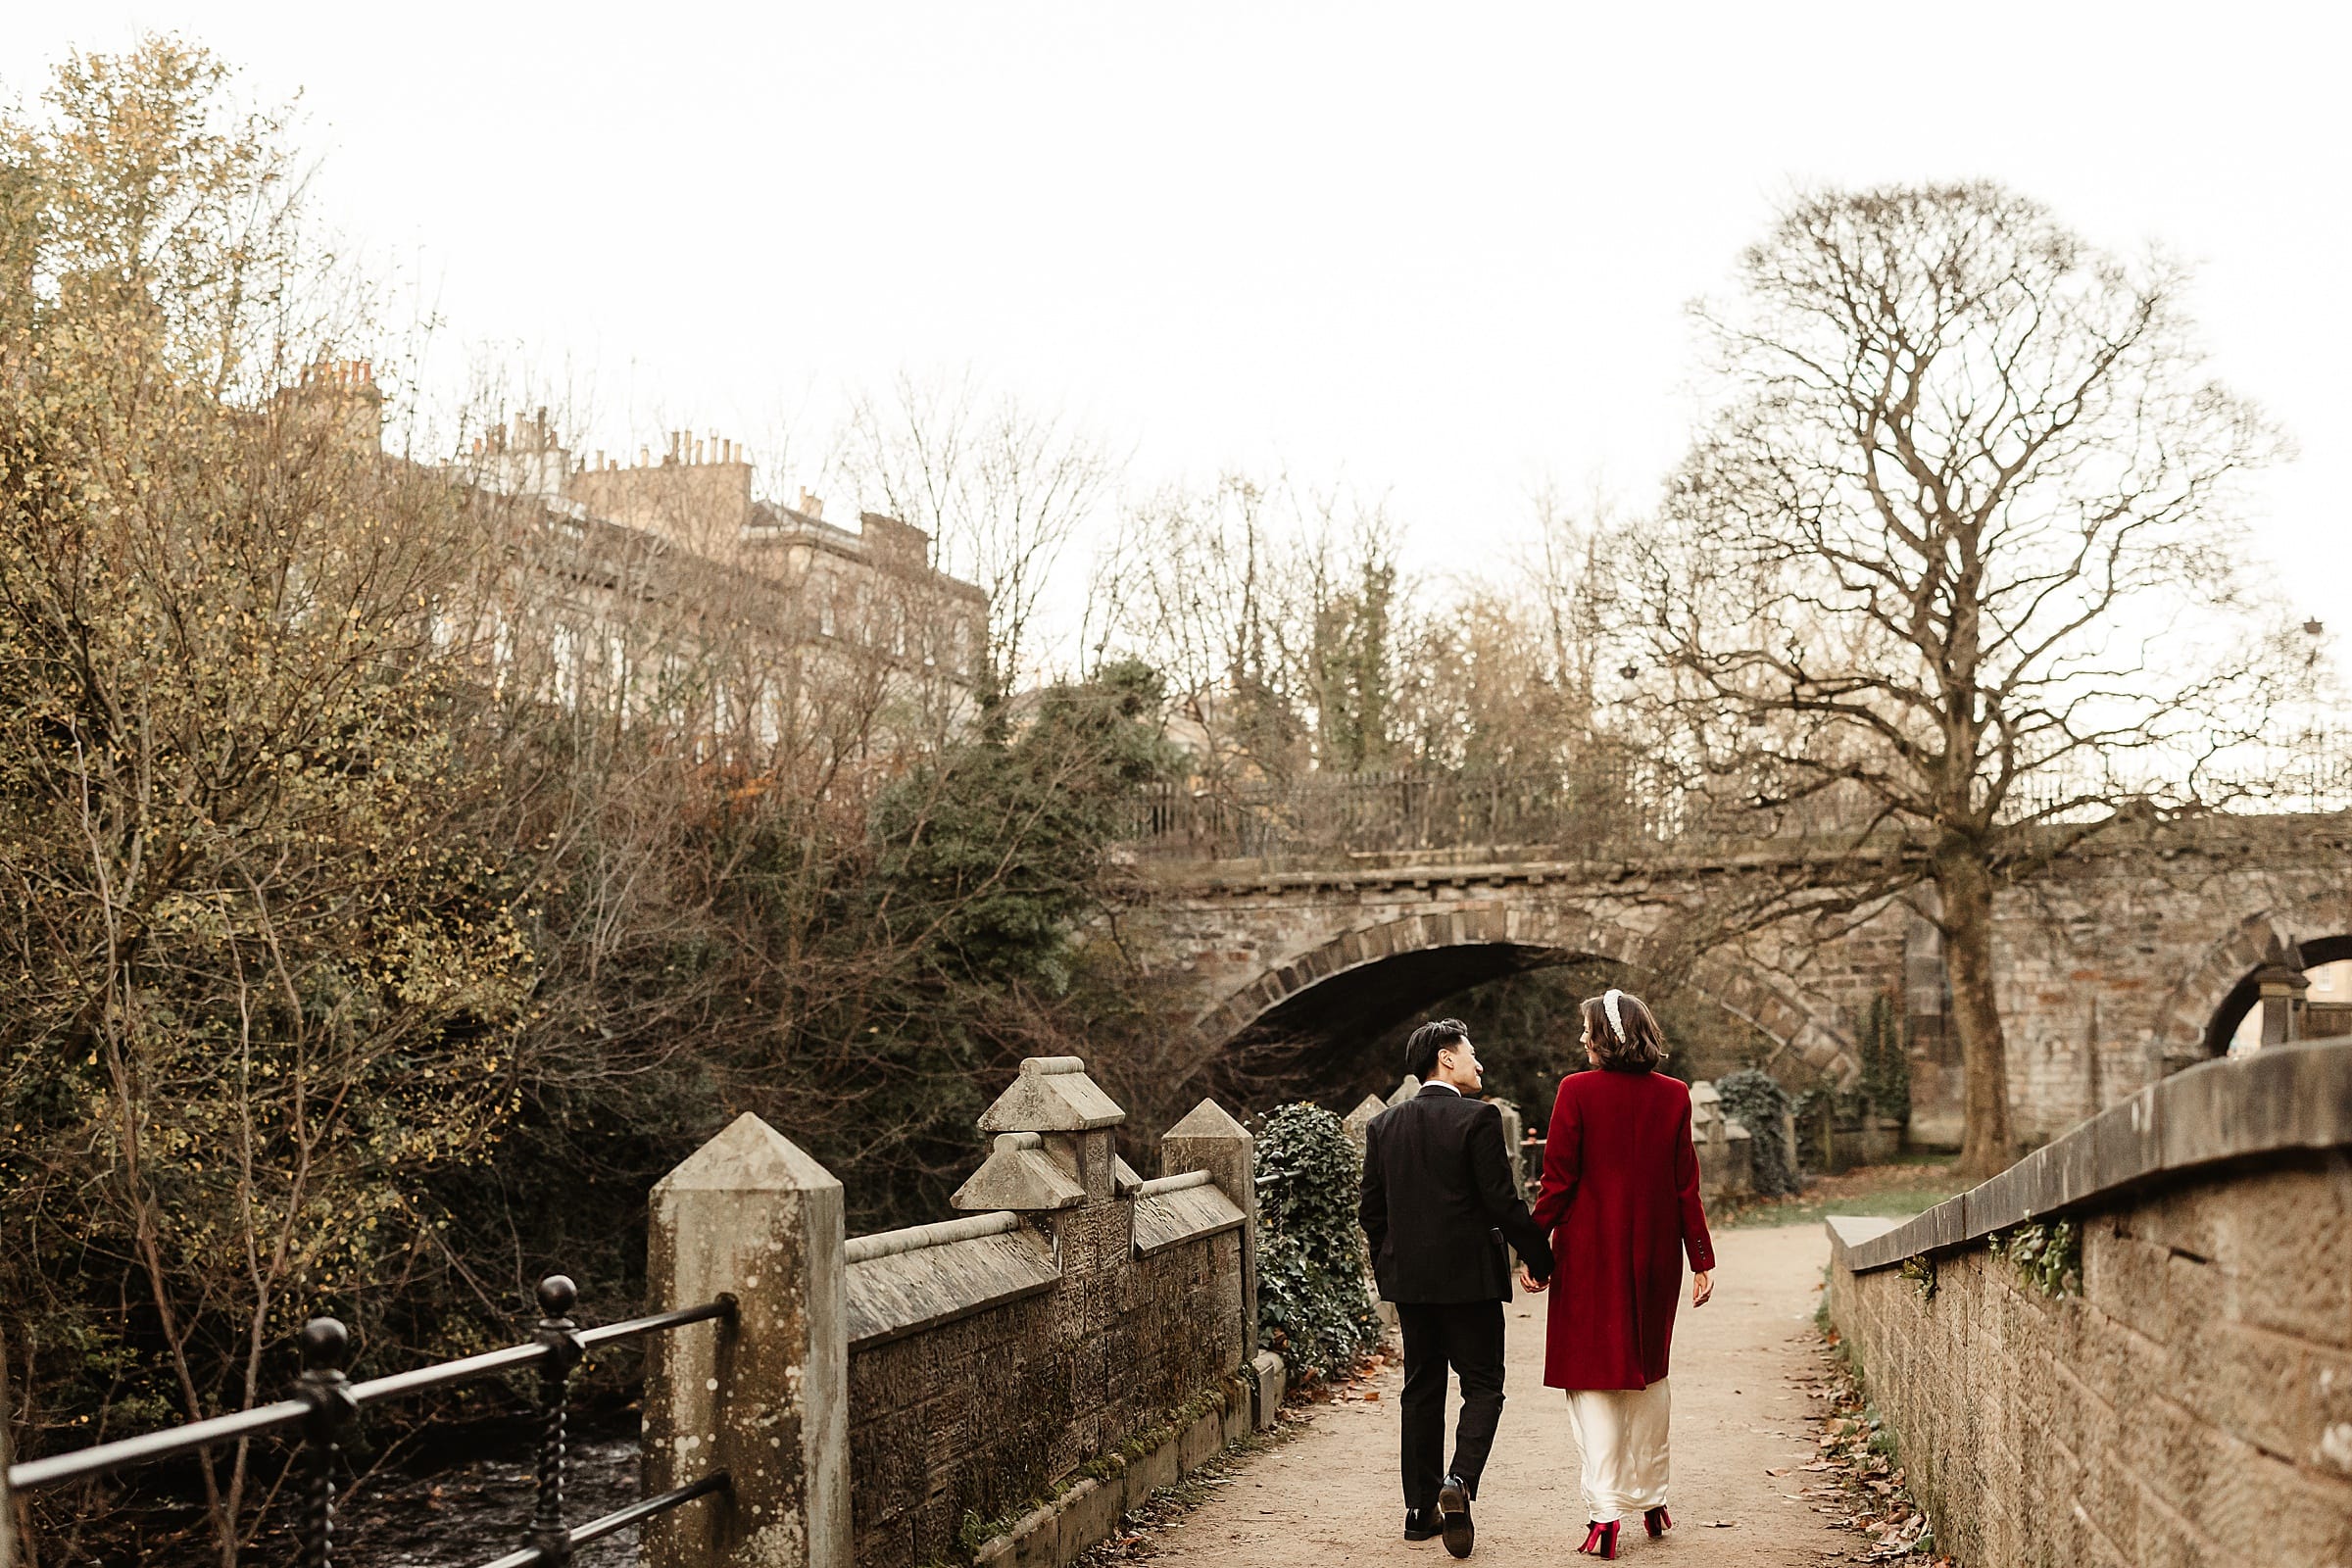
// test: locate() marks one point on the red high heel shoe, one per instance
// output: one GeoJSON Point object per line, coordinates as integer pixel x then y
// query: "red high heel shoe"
{"type": "Point", "coordinates": [1600, 1541]}
{"type": "Point", "coordinates": [1657, 1521]}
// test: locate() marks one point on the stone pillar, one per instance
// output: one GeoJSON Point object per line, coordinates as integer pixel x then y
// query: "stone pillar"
{"type": "Point", "coordinates": [1937, 1094]}
{"type": "Point", "coordinates": [1361, 1118]}
{"type": "Point", "coordinates": [1209, 1140]}
{"type": "Point", "coordinates": [767, 1399]}
{"type": "Point", "coordinates": [1514, 1140]}
{"type": "Point", "coordinates": [2280, 985]}
{"type": "Point", "coordinates": [1405, 1091]}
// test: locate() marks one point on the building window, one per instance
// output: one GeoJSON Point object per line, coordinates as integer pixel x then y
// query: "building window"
{"type": "Point", "coordinates": [564, 646]}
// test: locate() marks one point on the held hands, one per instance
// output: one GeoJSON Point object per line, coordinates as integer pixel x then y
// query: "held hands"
{"type": "Point", "coordinates": [1531, 1284]}
{"type": "Point", "coordinates": [1702, 1288]}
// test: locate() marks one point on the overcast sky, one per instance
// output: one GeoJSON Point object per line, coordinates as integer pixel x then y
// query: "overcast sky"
{"type": "Point", "coordinates": [1438, 251]}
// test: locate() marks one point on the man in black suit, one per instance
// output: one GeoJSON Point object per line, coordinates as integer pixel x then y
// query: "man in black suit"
{"type": "Point", "coordinates": [1439, 1204]}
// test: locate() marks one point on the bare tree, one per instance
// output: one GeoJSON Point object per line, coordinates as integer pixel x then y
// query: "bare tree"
{"type": "Point", "coordinates": [1191, 586]}
{"type": "Point", "coordinates": [1000, 485]}
{"type": "Point", "coordinates": [1935, 573]}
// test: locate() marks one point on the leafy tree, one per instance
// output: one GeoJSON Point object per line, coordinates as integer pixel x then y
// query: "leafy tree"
{"type": "Point", "coordinates": [260, 978]}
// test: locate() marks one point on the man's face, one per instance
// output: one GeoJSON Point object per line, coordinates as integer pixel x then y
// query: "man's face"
{"type": "Point", "coordinates": [1459, 1063]}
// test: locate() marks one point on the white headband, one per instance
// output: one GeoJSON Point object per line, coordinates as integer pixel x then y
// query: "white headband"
{"type": "Point", "coordinates": [1608, 1004]}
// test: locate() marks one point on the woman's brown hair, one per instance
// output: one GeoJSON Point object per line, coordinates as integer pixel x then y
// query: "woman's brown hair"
{"type": "Point", "coordinates": [1640, 1048]}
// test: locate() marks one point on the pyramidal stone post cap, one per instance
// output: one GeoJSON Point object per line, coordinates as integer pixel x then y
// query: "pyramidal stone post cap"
{"type": "Point", "coordinates": [1020, 1177]}
{"type": "Point", "coordinates": [1052, 1095]}
{"type": "Point", "coordinates": [1406, 1089]}
{"type": "Point", "coordinates": [749, 1155]}
{"type": "Point", "coordinates": [1207, 1120]}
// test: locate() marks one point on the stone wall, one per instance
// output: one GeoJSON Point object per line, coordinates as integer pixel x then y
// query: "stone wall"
{"type": "Point", "coordinates": [1008, 1381]}
{"type": "Point", "coordinates": [978, 1417]}
{"type": "Point", "coordinates": [2186, 1398]}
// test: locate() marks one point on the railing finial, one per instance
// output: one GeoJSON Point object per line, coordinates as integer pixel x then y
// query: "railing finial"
{"type": "Point", "coordinates": [325, 1344]}
{"type": "Point", "coordinates": [558, 1296]}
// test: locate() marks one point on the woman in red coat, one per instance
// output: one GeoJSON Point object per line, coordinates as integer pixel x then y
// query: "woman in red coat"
{"type": "Point", "coordinates": [1620, 1201]}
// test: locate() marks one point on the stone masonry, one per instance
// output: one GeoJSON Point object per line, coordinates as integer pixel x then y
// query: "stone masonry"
{"type": "Point", "coordinates": [1013, 1378]}
{"type": "Point", "coordinates": [2113, 970]}
{"type": "Point", "coordinates": [2189, 1400]}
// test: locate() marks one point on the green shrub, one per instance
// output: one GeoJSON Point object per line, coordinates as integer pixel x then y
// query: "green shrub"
{"type": "Point", "coordinates": [1313, 1306]}
{"type": "Point", "coordinates": [1756, 1101]}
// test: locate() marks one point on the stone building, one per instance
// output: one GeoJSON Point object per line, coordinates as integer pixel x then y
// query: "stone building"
{"type": "Point", "coordinates": [666, 583]}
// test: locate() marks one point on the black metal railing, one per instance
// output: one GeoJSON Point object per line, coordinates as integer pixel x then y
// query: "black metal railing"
{"type": "Point", "coordinates": [325, 1403]}
{"type": "Point", "coordinates": [1610, 806]}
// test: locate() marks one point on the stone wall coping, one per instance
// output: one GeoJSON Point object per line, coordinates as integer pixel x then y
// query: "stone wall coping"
{"type": "Point", "coordinates": [1183, 1210]}
{"type": "Point", "coordinates": [1849, 1231]}
{"type": "Point", "coordinates": [908, 1289]}
{"type": "Point", "coordinates": [915, 1237]}
{"type": "Point", "coordinates": [1175, 1182]}
{"type": "Point", "coordinates": [2278, 1100]}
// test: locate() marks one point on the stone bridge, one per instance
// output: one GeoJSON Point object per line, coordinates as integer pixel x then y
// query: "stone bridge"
{"type": "Point", "coordinates": [2130, 961]}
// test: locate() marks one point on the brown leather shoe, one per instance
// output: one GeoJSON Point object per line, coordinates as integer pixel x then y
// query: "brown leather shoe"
{"type": "Point", "coordinates": [1453, 1517]}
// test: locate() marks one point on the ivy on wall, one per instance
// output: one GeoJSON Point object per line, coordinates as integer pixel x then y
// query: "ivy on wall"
{"type": "Point", "coordinates": [2048, 1255]}
{"type": "Point", "coordinates": [1756, 1101]}
{"type": "Point", "coordinates": [1886, 1086]}
{"type": "Point", "coordinates": [1313, 1303]}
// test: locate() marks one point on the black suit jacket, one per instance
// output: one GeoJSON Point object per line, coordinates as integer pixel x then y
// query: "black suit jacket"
{"type": "Point", "coordinates": [1438, 1202]}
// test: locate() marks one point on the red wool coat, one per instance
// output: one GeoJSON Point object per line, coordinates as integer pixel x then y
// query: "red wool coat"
{"type": "Point", "coordinates": [1620, 1202]}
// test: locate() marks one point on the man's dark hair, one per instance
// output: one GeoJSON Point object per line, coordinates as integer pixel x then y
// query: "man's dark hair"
{"type": "Point", "coordinates": [1422, 1048]}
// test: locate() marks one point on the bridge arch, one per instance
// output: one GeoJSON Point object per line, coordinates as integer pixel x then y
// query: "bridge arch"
{"type": "Point", "coordinates": [2209, 1005]}
{"type": "Point", "coordinates": [1407, 963]}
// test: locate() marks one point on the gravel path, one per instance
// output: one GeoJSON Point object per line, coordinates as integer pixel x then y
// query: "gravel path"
{"type": "Point", "coordinates": [1742, 1368]}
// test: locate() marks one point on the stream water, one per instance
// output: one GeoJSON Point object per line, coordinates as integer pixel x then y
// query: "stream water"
{"type": "Point", "coordinates": [471, 1513]}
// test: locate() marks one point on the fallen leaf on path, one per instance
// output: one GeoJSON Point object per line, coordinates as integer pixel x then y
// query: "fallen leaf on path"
{"type": "Point", "coordinates": [1722, 1524]}
{"type": "Point", "coordinates": [1784, 1470]}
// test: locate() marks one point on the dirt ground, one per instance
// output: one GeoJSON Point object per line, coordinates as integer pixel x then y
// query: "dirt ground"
{"type": "Point", "coordinates": [1744, 1368]}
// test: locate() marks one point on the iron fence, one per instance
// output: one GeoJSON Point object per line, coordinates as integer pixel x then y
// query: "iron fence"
{"type": "Point", "coordinates": [325, 1403]}
{"type": "Point", "coordinates": [1617, 811]}
{"type": "Point", "coordinates": [1624, 807]}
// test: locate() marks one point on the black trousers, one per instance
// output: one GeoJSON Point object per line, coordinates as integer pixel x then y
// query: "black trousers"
{"type": "Point", "coordinates": [1467, 1337]}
